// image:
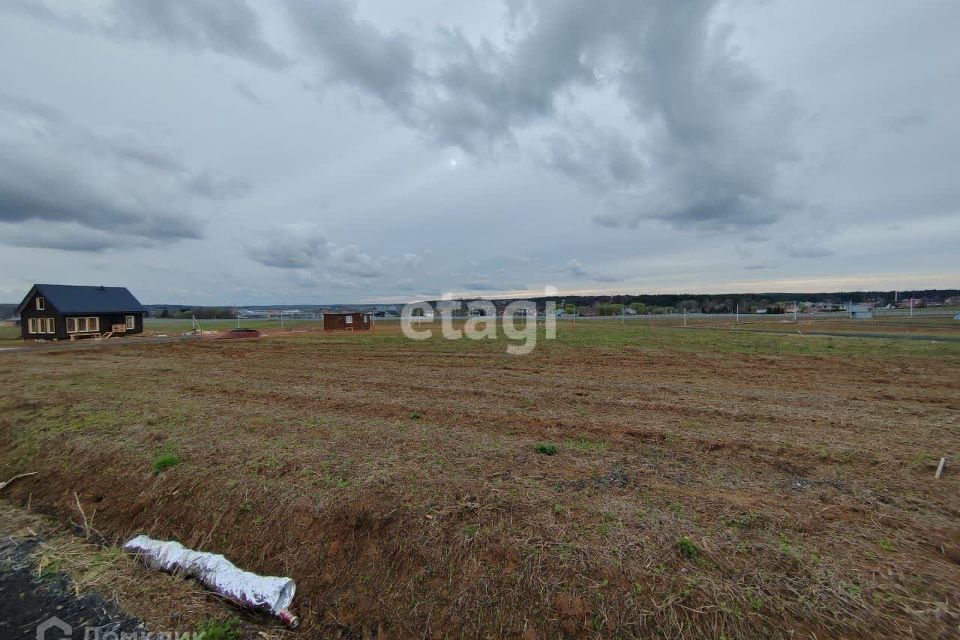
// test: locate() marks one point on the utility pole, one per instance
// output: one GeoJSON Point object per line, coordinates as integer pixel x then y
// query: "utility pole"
{"type": "Point", "coordinates": [795, 310]}
{"type": "Point", "coordinates": [738, 314]}
{"type": "Point", "coordinates": [684, 316]}
{"type": "Point", "coordinates": [911, 305]}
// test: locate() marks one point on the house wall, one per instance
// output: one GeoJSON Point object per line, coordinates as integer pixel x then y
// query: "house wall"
{"type": "Point", "coordinates": [338, 322]}
{"type": "Point", "coordinates": [30, 311]}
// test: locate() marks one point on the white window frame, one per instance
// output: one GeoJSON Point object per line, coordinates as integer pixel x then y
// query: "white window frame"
{"type": "Point", "coordinates": [348, 319]}
{"type": "Point", "coordinates": [32, 325]}
{"type": "Point", "coordinates": [41, 304]}
{"type": "Point", "coordinates": [131, 323]}
{"type": "Point", "coordinates": [69, 322]}
{"type": "Point", "coordinates": [51, 325]}
{"type": "Point", "coordinates": [87, 324]}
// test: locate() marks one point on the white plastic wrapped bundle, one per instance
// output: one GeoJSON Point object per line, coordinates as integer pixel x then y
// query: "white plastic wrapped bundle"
{"type": "Point", "coordinates": [266, 593]}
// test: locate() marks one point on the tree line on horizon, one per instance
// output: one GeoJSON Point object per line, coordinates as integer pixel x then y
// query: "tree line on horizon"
{"type": "Point", "coordinates": [717, 303]}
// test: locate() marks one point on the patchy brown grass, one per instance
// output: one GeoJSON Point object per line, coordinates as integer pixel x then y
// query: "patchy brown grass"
{"type": "Point", "coordinates": [399, 482]}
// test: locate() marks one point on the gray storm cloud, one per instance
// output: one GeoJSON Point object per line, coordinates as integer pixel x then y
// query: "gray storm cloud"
{"type": "Point", "coordinates": [114, 190]}
{"type": "Point", "coordinates": [230, 28]}
{"type": "Point", "coordinates": [702, 148]}
{"type": "Point", "coordinates": [615, 141]}
{"type": "Point", "coordinates": [304, 248]}
{"type": "Point", "coordinates": [707, 135]}
{"type": "Point", "coordinates": [291, 246]}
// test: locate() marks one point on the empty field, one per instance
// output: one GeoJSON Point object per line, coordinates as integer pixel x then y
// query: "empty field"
{"type": "Point", "coordinates": [625, 480]}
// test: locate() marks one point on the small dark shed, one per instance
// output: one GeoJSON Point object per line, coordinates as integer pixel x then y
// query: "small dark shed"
{"type": "Point", "coordinates": [347, 321]}
{"type": "Point", "coordinates": [60, 311]}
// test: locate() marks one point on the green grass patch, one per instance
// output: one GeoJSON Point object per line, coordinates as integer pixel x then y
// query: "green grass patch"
{"type": "Point", "coordinates": [165, 461]}
{"type": "Point", "coordinates": [228, 629]}
{"type": "Point", "coordinates": [688, 548]}
{"type": "Point", "coordinates": [547, 449]}
{"type": "Point", "coordinates": [586, 446]}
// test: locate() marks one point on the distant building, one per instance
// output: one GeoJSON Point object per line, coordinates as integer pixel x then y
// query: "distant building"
{"type": "Point", "coordinates": [914, 303]}
{"type": "Point", "coordinates": [859, 312]}
{"type": "Point", "coordinates": [825, 307]}
{"type": "Point", "coordinates": [60, 312]}
{"type": "Point", "coordinates": [347, 321]}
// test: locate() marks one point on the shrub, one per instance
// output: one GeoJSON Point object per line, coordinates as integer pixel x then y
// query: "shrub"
{"type": "Point", "coordinates": [546, 448]}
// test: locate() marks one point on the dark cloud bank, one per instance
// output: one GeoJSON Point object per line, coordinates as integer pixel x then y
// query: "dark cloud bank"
{"type": "Point", "coordinates": [96, 191]}
{"type": "Point", "coordinates": [702, 146]}
{"type": "Point", "coordinates": [706, 138]}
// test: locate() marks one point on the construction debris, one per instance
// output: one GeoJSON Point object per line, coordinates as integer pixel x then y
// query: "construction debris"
{"type": "Point", "coordinates": [943, 462]}
{"type": "Point", "coordinates": [266, 593]}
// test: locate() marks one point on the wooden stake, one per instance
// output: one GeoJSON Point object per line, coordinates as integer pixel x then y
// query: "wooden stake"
{"type": "Point", "coordinates": [943, 461]}
{"type": "Point", "coordinates": [86, 525]}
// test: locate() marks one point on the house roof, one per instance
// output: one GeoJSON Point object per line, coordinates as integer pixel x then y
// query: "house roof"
{"type": "Point", "coordinates": [67, 298]}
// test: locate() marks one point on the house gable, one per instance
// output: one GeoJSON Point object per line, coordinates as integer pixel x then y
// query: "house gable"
{"type": "Point", "coordinates": [29, 303]}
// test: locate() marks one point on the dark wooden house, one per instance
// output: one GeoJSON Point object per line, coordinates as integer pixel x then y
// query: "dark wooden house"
{"type": "Point", "coordinates": [61, 312]}
{"type": "Point", "coordinates": [347, 321]}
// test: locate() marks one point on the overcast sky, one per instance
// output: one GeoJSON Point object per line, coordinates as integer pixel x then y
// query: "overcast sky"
{"type": "Point", "coordinates": [334, 151]}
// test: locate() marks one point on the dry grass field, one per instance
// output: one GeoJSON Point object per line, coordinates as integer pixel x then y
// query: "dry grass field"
{"type": "Point", "coordinates": [621, 481]}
